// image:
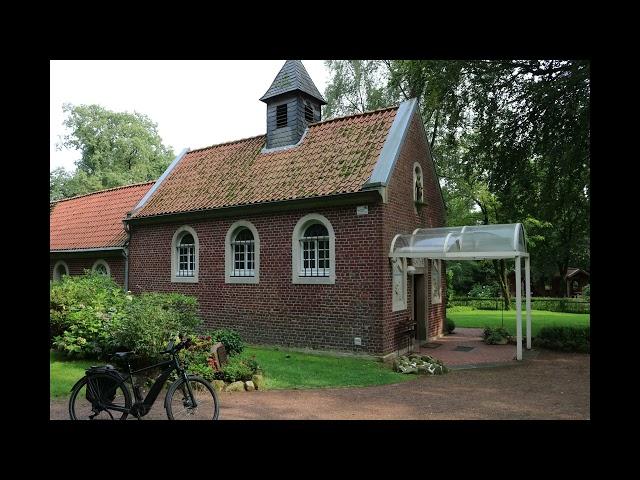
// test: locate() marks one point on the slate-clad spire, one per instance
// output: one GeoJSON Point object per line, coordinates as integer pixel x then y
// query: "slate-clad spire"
{"type": "Point", "coordinates": [291, 77]}
{"type": "Point", "coordinates": [293, 102]}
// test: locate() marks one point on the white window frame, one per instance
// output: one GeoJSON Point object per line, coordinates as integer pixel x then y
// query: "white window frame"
{"type": "Point", "coordinates": [177, 237]}
{"type": "Point", "coordinates": [415, 198]}
{"type": "Point", "coordinates": [55, 269]}
{"type": "Point", "coordinates": [311, 247]}
{"type": "Point", "coordinates": [298, 273]}
{"type": "Point", "coordinates": [103, 262]}
{"type": "Point", "coordinates": [399, 300]}
{"type": "Point", "coordinates": [229, 254]}
{"type": "Point", "coordinates": [436, 272]}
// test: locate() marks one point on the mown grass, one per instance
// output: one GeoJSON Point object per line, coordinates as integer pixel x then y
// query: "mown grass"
{"type": "Point", "coordinates": [284, 369]}
{"type": "Point", "coordinates": [465, 317]}
{"type": "Point", "coordinates": [64, 373]}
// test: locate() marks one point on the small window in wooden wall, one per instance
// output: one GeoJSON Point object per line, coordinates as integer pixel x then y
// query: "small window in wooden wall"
{"type": "Point", "coordinates": [281, 116]}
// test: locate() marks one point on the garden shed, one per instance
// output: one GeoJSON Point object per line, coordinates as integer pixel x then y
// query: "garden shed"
{"type": "Point", "coordinates": [474, 242]}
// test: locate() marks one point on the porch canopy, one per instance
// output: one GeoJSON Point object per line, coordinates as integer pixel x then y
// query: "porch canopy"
{"type": "Point", "coordinates": [474, 242]}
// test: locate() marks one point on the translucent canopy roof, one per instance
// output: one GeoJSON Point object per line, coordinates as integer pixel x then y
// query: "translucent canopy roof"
{"type": "Point", "coordinates": [475, 242]}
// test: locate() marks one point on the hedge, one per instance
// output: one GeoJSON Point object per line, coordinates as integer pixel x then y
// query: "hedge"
{"type": "Point", "coordinates": [564, 305]}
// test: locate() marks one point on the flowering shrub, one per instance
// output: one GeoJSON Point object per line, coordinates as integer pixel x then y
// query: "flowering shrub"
{"type": "Point", "coordinates": [90, 316]}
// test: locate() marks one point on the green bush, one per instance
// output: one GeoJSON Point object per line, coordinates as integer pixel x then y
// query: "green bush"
{"type": "Point", "coordinates": [563, 305]}
{"type": "Point", "coordinates": [495, 336]}
{"type": "Point", "coordinates": [238, 369]}
{"type": "Point", "coordinates": [480, 290]}
{"type": "Point", "coordinates": [82, 310]}
{"type": "Point", "coordinates": [586, 293]}
{"type": "Point", "coordinates": [151, 320]}
{"type": "Point", "coordinates": [231, 340]}
{"type": "Point", "coordinates": [450, 289]}
{"type": "Point", "coordinates": [198, 358]}
{"type": "Point", "coordinates": [450, 325]}
{"type": "Point", "coordinates": [566, 339]}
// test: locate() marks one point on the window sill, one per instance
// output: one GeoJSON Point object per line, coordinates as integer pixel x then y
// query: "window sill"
{"type": "Point", "coordinates": [242, 280]}
{"type": "Point", "coordinates": [175, 279]}
{"type": "Point", "coordinates": [314, 280]}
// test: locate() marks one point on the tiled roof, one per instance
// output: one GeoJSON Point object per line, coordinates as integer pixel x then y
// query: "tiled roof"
{"type": "Point", "coordinates": [335, 156]}
{"type": "Point", "coordinates": [93, 220]}
{"type": "Point", "coordinates": [293, 76]}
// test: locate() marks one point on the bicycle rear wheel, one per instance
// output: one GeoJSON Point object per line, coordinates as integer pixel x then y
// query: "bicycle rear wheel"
{"type": "Point", "coordinates": [178, 402]}
{"type": "Point", "coordinates": [98, 408]}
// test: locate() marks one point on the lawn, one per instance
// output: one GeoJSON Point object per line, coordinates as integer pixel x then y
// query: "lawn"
{"type": "Point", "coordinates": [284, 369]}
{"type": "Point", "coordinates": [464, 317]}
{"type": "Point", "coordinates": [65, 373]}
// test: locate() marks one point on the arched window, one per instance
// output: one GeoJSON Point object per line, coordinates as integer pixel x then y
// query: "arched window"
{"type": "Point", "coordinates": [102, 267]}
{"type": "Point", "coordinates": [184, 256]}
{"type": "Point", "coordinates": [313, 249]}
{"type": "Point", "coordinates": [242, 253]}
{"type": "Point", "coordinates": [418, 186]}
{"type": "Point", "coordinates": [59, 269]}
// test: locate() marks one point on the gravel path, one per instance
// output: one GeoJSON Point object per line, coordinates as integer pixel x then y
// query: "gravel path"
{"type": "Point", "coordinates": [550, 386]}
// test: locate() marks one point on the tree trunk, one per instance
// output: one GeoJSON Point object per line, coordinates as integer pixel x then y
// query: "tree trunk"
{"type": "Point", "coordinates": [501, 274]}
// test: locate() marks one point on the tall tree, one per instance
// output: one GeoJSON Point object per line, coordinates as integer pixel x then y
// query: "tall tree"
{"type": "Point", "coordinates": [510, 139]}
{"type": "Point", "coordinates": [356, 86]}
{"type": "Point", "coordinates": [116, 148]}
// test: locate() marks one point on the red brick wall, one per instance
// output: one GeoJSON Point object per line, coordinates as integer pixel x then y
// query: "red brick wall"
{"type": "Point", "coordinates": [77, 265]}
{"type": "Point", "coordinates": [276, 311]}
{"type": "Point", "coordinates": [400, 215]}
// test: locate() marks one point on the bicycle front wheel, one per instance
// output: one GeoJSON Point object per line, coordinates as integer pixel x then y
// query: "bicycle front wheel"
{"type": "Point", "coordinates": [99, 405]}
{"type": "Point", "coordinates": [179, 404]}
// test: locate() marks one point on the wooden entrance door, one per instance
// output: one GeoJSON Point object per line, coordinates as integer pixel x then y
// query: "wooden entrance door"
{"type": "Point", "coordinates": [419, 308]}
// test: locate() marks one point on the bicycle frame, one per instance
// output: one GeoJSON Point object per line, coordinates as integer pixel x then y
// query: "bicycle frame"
{"type": "Point", "coordinates": [142, 406]}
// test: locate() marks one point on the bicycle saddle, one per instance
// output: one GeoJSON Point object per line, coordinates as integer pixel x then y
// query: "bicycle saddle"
{"type": "Point", "coordinates": [122, 354]}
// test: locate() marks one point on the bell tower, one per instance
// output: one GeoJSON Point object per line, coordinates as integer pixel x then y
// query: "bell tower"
{"type": "Point", "coordinates": [293, 102]}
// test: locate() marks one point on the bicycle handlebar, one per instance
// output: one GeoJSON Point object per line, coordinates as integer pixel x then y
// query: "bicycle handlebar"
{"type": "Point", "coordinates": [171, 348]}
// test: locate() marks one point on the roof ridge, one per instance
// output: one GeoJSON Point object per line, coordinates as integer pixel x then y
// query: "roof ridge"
{"type": "Point", "coordinates": [368, 112]}
{"type": "Point", "coordinates": [226, 143]}
{"type": "Point", "coordinates": [102, 191]}
{"type": "Point", "coordinates": [359, 114]}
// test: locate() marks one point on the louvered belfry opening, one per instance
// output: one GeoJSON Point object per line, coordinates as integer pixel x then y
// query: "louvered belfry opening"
{"type": "Point", "coordinates": [281, 116]}
{"type": "Point", "coordinates": [293, 102]}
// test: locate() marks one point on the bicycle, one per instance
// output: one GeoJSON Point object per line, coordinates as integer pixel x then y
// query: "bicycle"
{"type": "Point", "coordinates": [104, 390]}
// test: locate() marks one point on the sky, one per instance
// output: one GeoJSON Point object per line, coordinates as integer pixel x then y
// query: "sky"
{"type": "Point", "coordinates": [195, 103]}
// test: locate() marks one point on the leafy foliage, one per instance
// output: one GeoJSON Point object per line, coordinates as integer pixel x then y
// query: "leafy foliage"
{"type": "Point", "coordinates": [117, 148]}
{"type": "Point", "coordinates": [238, 369]}
{"type": "Point", "coordinates": [549, 304]}
{"type": "Point", "coordinates": [566, 339]}
{"type": "Point", "coordinates": [231, 340]}
{"type": "Point", "coordinates": [151, 320]}
{"type": "Point", "coordinates": [479, 290]}
{"type": "Point", "coordinates": [510, 140]}
{"type": "Point", "coordinates": [495, 336]}
{"type": "Point", "coordinates": [82, 310]}
{"type": "Point", "coordinates": [450, 325]}
{"type": "Point", "coordinates": [91, 316]}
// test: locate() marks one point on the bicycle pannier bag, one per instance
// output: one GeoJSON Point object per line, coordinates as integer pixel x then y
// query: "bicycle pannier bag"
{"type": "Point", "coordinates": [104, 386]}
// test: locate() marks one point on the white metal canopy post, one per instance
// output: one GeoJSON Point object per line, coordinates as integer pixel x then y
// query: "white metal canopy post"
{"type": "Point", "coordinates": [527, 286]}
{"type": "Point", "coordinates": [518, 310]}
